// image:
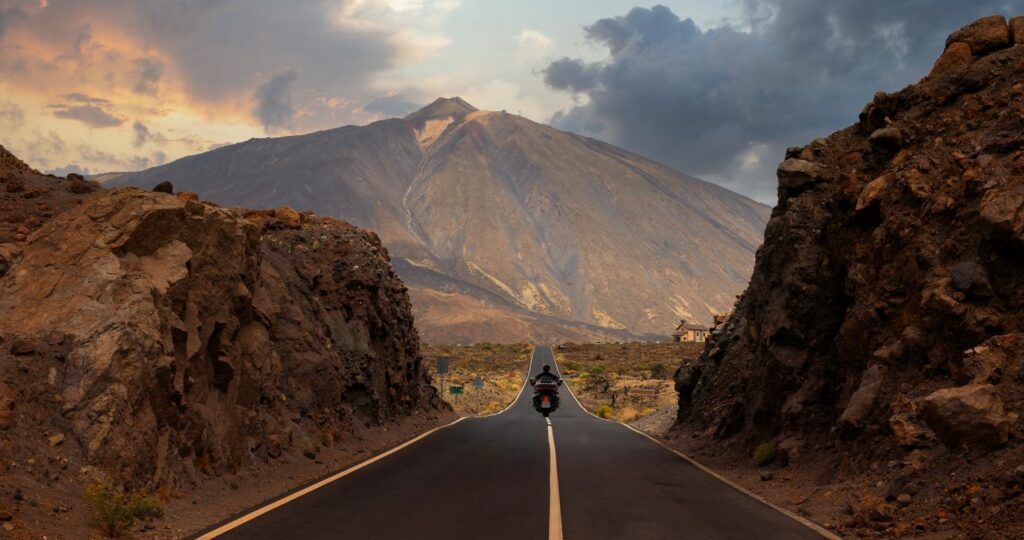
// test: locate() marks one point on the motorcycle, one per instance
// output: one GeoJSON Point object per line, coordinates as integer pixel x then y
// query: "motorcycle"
{"type": "Point", "coordinates": [545, 396]}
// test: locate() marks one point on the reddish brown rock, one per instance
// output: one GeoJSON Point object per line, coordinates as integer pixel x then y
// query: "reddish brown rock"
{"type": "Point", "coordinates": [1017, 30]}
{"type": "Point", "coordinates": [289, 217]}
{"type": "Point", "coordinates": [967, 415]}
{"type": "Point", "coordinates": [956, 58]}
{"type": "Point", "coordinates": [983, 36]}
{"type": "Point", "coordinates": [189, 196]}
{"type": "Point", "coordinates": [890, 268]}
{"type": "Point", "coordinates": [188, 336]}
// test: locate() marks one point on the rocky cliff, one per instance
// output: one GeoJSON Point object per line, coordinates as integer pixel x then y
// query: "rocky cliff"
{"type": "Point", "coordinates": [886, 309]}
{"type": "Point", "coordinates": [158, 338]}
{"type": "Point", "coordinates": [534, 231]}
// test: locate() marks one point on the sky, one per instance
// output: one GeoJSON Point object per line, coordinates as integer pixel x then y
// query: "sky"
{"type": "Point", "coordinates": [714, 88]}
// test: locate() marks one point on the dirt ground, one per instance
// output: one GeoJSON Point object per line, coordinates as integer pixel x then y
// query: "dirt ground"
{"type": "Point", "coordinates": [628, 382]}
{"type": "Point", "coordinates": [502, 368]}
{"type": "Point", "coordinates": [53, 507]}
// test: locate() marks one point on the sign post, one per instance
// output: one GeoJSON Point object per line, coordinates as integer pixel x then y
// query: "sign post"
{"type": "Point", "coordinates": [644, 392]}
{"type": "Point", "coordinates": [478, 383]}
{"type": "Point", "coordinates": [442, 370]}
{"type": "Point", "coordinates": [455, 391]}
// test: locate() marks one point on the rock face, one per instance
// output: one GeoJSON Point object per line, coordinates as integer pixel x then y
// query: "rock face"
{"type": "Point", "coordinates": [887, 302]}
{"type": "Point", "coordinates": [181, 335]}
{"type": "Point", "coordinates": [535, 232]}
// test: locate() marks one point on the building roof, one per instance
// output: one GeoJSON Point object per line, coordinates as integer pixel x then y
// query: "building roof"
{"type": "Point", "coordinates": [683, 325]}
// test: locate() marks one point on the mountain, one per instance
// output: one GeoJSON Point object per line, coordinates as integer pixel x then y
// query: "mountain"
{"type": "Point", "coordinates": [504, 229]}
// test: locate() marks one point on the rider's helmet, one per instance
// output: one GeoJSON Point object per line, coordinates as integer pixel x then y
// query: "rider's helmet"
{"type": "Point", "coordinates": [547, 368]}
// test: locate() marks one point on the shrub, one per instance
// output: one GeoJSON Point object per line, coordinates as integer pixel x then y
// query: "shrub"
{"type": "Point", "coordinates": [605, 411]}
{"type": "Point", "coordinates": [146, 506]}
{"type": "Point", "coordinates": [109, 509]}
{"type": "Point", "coordinates": [659, 371]}
{"type": "Point", "coordinates": [764, 454]}
{"type": "Point", "coordinates": [628, 414]}
{"type": "Point", "coordinates": [113, 511]}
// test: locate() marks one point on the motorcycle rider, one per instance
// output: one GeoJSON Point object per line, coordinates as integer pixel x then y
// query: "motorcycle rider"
{"type": "Point", "coordinates": [546, 376]}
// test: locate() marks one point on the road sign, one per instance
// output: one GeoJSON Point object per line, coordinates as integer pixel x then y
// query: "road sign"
{"type": "Point", "coordinates": [455, 391]}
{"type": "Point", "coordinates": [478, 383]}
{"type": "Point", "coordinates": [442, 365]}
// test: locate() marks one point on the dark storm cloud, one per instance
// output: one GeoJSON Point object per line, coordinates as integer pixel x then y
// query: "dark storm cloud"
{"type": "Point", "coordinates": [572, 75]}
{"type": "Point", "coordinates": [724, 103]}
{"type": "Point", "coordinates": [392, 105]}
{"type": "Point", "coordinates": [147, 75]}
{"type": "Point", "coordinates": [274, 105]}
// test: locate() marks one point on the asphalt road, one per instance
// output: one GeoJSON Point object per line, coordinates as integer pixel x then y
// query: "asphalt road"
{"type": "Point", "coordinates": [491, 478]}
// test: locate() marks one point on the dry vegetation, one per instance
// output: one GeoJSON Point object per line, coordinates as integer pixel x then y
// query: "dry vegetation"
{"type": "Point", "coordinates": [605, 377]}
{"type": "Point", "coordinates": [502, 367]}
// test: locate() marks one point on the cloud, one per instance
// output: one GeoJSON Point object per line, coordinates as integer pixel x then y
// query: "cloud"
{"type": "Point", "coordinates": [68, 169]}
{"type": "Point", "coordinates": [90, 115]}
{"type": "Point", "coordinates": [147, 75]}
{"type": "Point", "coordinates": [571, 75]}
{"type": "Point", "coordinates": [142, 134]}
{"type": "Point", "coordinates": [392, 105]}
{"type": "Point", "coordinates": [12, 116]}
{"type": "Point", "coordinates": [533, 43]}
{"type": "Point", "coordinates": [82, 98]}
{"type": "Point", "coordinates": [724, 102]}
{"type": "Point", "coordinates": [274, 105]}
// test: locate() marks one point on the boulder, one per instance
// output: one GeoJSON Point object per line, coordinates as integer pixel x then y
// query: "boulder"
{"type": "Point", "coordinates": [164, 187]}
{"type": "Point", "coordinates": [872, 192]}
{"type": "Point", "coordinates": [1017, 31]}
{"type": "Point", "coordinates": [970, 277]}
{"type": "Point", "coordinates": [289, 217]}
{"type": "Point", "coordinates": [189, 196]}
{"type": "Point", "coordinates": [955, 58]}
{"type": "Point", "coordinates": [864, 398]}
{"type": "Point", "coordinates": [796, 174]}
{"type": "Point", "coordinates": [889, 138]}
{"type": "Point", "coordinates": [970, 415]}
{"type": "Point", "coordinates": [983, 36]}
{"type": "Point", "coordinates": [79, 185]}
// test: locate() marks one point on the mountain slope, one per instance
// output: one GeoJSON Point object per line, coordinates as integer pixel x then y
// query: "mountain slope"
{"type": "Point", "coordinates": [528, 220]}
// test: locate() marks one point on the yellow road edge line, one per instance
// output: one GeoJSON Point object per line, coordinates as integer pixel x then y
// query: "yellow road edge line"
{"type": "Point", "coordinates": [305, 491]}
{"type": "Point", "coordinates": [555, 504]}
{"type": "Point", "coordinates": [796, 517]}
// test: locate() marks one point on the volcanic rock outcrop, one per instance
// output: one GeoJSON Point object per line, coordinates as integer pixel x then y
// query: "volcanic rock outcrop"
{"type": "Point", "coordinates": [166, 337]}
{"type": "Point", "coordinates": [887, 302]}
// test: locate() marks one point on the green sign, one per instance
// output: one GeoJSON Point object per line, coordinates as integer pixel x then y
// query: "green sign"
{"type": "Point", "coordinates": [455, 390]}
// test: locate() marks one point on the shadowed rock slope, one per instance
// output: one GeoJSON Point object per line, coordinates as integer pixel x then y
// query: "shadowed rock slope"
{"type": "Point", "coordinates": [886, 309]}
{"type": "Point", "coordinates": [539, 234]}
{"type": "Point", "coordinates": [163, 339]}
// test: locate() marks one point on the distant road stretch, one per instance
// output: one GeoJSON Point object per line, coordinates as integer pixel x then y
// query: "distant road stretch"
{"type": "Point", "coordinates": [516, 476]}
